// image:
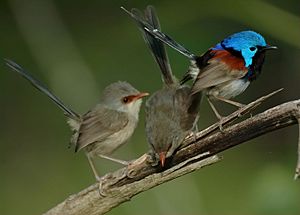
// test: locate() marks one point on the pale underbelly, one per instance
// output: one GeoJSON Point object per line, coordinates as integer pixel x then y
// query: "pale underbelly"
{"type": "Point", "coordinates": [111, 143]}
{"type": "Point", "coordinates": [229, 89]}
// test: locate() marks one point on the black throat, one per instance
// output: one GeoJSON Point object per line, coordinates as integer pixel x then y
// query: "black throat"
{"type": "Point", "coordinates": [256, 66]}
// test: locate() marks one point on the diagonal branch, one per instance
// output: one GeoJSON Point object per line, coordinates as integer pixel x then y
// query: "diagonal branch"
{"type": "Point", "coordinates": [123, 184]}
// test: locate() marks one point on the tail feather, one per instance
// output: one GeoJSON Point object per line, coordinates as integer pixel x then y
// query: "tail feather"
{"type": "Point", "coordinates": [37, 84]}
{"type": "Point", "coordinates": [151, 25]}
{"type": "Point", "coordinates": [171, 42]}
{"type": "Point", "coordinates": [155, 31]}
{"type": "Point", "coordinates": [157, 48]}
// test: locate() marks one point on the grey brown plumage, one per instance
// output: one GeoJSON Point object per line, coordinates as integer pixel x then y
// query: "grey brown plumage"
{"type": "Point", "coordinates": [171, 112]}
{"type": "Point", "coordinates": [104, 128]}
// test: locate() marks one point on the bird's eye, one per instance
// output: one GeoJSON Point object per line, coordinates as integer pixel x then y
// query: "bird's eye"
{"type": "Point", "coordinates": [252, 49]}
{"type": "Point", "coordinates": [125, 100]}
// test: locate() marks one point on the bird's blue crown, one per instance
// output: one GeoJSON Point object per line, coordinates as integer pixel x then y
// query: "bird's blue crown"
{"type": "Point", "coordinates": [244, 42]}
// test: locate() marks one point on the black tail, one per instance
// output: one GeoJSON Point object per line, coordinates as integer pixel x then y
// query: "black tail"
{"type": "Point", "coordinates": [37, 84]}
{"type": "Point", "coordinates": [156, 47]}
{"type": "Point", "coordinates": [155, 31]}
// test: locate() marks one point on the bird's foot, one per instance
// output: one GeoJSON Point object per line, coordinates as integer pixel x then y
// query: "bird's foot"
{"type": "Point", "coordinates": [192, 135]}
{"type": "Point", "coordinates": [221, 122]}
{"type": "Point", "coordinates": [240, 110]}
{"type": "Point", "coordinates": [102, 181]}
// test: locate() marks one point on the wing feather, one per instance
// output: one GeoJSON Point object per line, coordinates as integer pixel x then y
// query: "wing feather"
{"type": "Point", "coordinates": [217, 71]}
{"type": "Point", "coordinates": [98, 124]}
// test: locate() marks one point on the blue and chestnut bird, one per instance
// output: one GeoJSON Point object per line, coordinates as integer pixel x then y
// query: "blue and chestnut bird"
{"type": "Point", "coordinates": [225, 70]}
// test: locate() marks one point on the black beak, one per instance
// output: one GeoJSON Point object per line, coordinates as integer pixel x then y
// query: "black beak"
{"type": "Point", "coordinates": [268, 47]}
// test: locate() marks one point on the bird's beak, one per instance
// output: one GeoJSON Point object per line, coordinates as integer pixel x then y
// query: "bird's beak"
{"type": "Point", "coordinates": [162, 158]}
{"type": "Point", "coordinates": [268, 47]}
{"type": "Point", "coordinates": [139, 96]}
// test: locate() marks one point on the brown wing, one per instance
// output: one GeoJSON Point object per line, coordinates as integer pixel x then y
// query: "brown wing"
{"type": "Point", "coordinates": [220, 69]}
{"type": "Point", "coordinates": [99, 124]}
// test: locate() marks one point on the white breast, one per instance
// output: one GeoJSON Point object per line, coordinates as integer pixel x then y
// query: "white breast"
{"type": "Point", "coordinates": [230, 89]}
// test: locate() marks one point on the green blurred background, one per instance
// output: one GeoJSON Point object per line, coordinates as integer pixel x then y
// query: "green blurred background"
{"type": "Point", "coordinates": [79, 47]}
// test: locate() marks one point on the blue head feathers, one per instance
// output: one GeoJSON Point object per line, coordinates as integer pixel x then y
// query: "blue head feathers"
{"type": "Point", "coordinates": [245, 42]}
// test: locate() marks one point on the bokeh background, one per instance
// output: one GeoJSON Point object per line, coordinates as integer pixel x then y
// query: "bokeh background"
{"type": "Point", "coordinates": [79, 47]}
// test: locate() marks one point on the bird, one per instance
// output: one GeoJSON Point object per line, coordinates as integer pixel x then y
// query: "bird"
{"type": "Point", "coordinates": [225, 70]}
{"type": "Point", "coordinates": [105, 127]}
{"type": "Point", "coordinates": [171, 112]}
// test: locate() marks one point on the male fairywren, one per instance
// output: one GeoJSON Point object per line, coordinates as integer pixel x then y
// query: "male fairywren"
{"type": "Point", "coordinates": [225, 70]}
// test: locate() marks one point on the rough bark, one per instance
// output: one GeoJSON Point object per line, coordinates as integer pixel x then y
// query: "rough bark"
{"type": "Point", "coordinates": [200, 150]}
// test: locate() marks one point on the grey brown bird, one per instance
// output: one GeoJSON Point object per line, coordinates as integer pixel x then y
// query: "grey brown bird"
{"type": "Point", "coordinates": [104, 128]}
{"type": "Point", "coordinates": [171, 112]}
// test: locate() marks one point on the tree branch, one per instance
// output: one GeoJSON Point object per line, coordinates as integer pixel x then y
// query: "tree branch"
{"type": "Point", "coordinates": [200, 151]}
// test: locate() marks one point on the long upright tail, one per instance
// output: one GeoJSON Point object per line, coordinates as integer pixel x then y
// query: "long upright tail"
{"type": "Point", "coordinates": [151, 25]}
{"type": "Point", "coordinates": [155, 31]}
{"type": "Point", "coordinates": [37, 84]}
{"type": "Point", "coordinates": [157, 48]}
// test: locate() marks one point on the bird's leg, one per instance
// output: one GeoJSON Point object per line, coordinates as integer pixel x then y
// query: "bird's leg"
{"type": "Point", "coordinates": [194, 130]}
{"type": "Point", "coordinates": [234, 103]}
{"type": "Point", "coordinates": [125, 163]}
{"type": "Point", "coordinates": [195, 125]}
{"type": "Point", "coordinates": [101, 180]}
{"type": "Point", "coordinates": [219, 116]}
{"type": "Point", "coordinates": [93, 167]}
{"type": "Point", "coordinates": [228, 101]}
{"type": "Point", "coordinates": [98, 178]}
